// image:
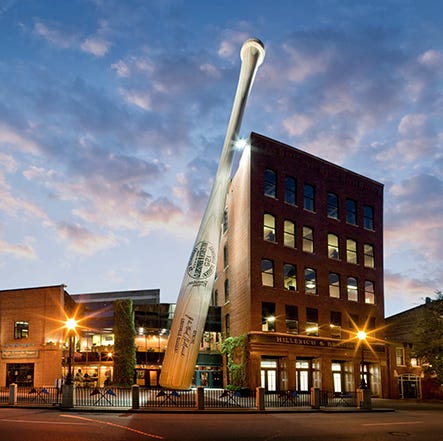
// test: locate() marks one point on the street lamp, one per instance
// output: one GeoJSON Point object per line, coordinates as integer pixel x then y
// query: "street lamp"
{"type": "Point", "coordinates": [361, 335]}
{"type": "Point", "coordinates": [70, 324]}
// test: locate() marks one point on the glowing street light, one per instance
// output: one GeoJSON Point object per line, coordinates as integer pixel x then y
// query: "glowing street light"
{"type": "Point", "coordinates": [361, 335]}
{"type": "Point", "coordinates": [70, 325]}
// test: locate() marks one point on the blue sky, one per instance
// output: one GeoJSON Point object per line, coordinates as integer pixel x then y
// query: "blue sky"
{"type": "Point", "coordinates": [113, 115]}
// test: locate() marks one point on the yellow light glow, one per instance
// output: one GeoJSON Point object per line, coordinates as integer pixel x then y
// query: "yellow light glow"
{"type": "Point", "coordinates": [270, 318]}
{"type": "Point", "coordinates": [71, 324]}
{"type": "Point", "coordinates": [361, 335]}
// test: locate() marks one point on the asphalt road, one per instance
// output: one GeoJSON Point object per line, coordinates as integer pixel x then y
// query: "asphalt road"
{"type": "Point", "coordinates": [55, 425]}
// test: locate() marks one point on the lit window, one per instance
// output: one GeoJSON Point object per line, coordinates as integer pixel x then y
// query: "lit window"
{"type": "Point", "coordinates": [267, 272]}
{"type": "Point", "coordinates": [399, 356]}
{"type": "Point", "coordinates": [351, 251]}
{"type": "Point", "coordinates": [335, 324]}
{"type": "Point", "coordinates": [291, 319]}
{"type": "Point", "coordinates": [369, 255]}
{"type": "Point", "coordinates": [290, 190]}
{"type": "Point", "coordinates": [226, 290]}
{"type": "Point", "coordinates": [308, 239]}
{"type": "Point", "coordinates": [270, 183]}
{"type": "Point", "coordinates": [332, 205]}
{"type": "Point", "coordinates": [351, 212]}
{"type": "Point", "coordinates": [290, 277]}
{"type": "Point", "coordinates": [312, 321]}
{"type": "Point", "coordinates": [368, 217]}
{"type": "Point", "coordinates": [334, 285]}
{"type": "Point", "coordinates": [289, 234]}
{"type": "Point", "coordinates": [352, 289]}
{"type": "Point", "coordinates": [369, 292]}
{"type": "Point", "coordinates": [21, 330]}
{"type": "Point", "coordinates": [309, 197]}
{"type": "Point", "coordinates": [269, 227]}
{"type": "Point", "coordinates": [268, 316]}
{"type": "Point", "coordinates": [310, 281]}
{"type": "Point", "coordinates": [333, 249]}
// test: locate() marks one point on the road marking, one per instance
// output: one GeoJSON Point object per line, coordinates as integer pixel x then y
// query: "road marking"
{"type": "Point", "coordinates": [41, 422]}
{"type": "Point", "coordinates": [392, 424]}
{"type": "Point", "coordinates": [91, 420]}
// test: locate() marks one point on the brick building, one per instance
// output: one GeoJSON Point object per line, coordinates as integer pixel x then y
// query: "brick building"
{"type": "Point", "coordinates": [411, 376]}
{"type": "Point", "coordinates": [32, 334]}
{"type": "Point", "coordinates": [301, 271]}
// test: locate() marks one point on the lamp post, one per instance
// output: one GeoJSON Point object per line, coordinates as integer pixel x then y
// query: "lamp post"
{"type": "Point", "coordinates": [361, 335]}
{"type": "Point", "coordinates": [71, 324]}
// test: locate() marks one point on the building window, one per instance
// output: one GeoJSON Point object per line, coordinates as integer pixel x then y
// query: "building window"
{"type": "Point", "coordinates": [290, 190]}
{"type": "Point", "coordinates": [332, 206]}
{"type": "Point", "coordinates": [399, 356]}
{"type": "Point", "coordinates": [334, 285]}
{"type": "Point", "coordinates": [352, 289]}
{"type": "Point", "coordinates": [270, 183]}
{"type": "Point", "coordinates": [289, 234]}
{"type": "Point", "coordinates": [225, 220]}
{"type": "Point", "coordinates": [289, 277]}
{"type": "Point", "coordinates": [269, 227]}
{"type": "Point", "coordinates": [291, 319]}
{"type": "Point", "coordinates": [267, 272]}
{"type": "Point", "coordinates": [268, 316]}
{"type": "Point", "coordinates": [351, 212]}
{"type": "Point", "coordinates": [333, 249]}
{"type": "Point", "coordinates": [215, 298]}
{"type": "Point", "coordinates": [351, 251]}
{"type": "Point", "coordinates": [309, 197]}
{"type": "Point", "coordinates": [368, 251]}
{"type": "Point", "coordinates": [369, 292]}
{"type": "Point", "coordinates": [310, 281]}
{"type": "Point", "coordinates": [226, 290]}
{"type": "Point", "coordinates": [312, 321]}
{"type": "Point", "coordinates": [308, 239]}
{"type": "Point", "coordinates": [225, 256]}
{"type": "Point", "coordinates": [227, 325]}
{"type": "Point", "coordinates": [368, 217]}
{"type": "Point", "coordinates": [335, 324]}
{"type": "Point", "coordinates": [21, 330]}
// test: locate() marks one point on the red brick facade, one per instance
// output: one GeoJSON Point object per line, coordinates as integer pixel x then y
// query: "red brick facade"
{"type": "Point", "coordinates": [295, 360]}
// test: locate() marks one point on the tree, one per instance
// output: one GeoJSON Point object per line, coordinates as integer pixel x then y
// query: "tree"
{"type": "Point", "coordinates": [428, 343]}
{"type": "Point", "coordinates": [124, 343]}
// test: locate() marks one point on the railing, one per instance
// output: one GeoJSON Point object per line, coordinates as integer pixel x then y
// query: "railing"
{"type": "Point", "coordinates": [102, 397]}
{"type": "Point", "coordinates": [338, 399]}
{"type": "Point", "coordinates": [287, 398]}
{"type": "Point", "coordinates": [208, 398]}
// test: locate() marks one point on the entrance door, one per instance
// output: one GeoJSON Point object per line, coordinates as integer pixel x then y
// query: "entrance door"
{"type": "Point", "coordinates": [20, 373]}
{"type": "Point", "coordinates": [269, 374]}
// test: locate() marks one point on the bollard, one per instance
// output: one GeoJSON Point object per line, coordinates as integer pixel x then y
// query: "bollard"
{"type": "Point", "coordinates": [135, 390]}
{"type": "Point", "coordinates": [260, 398]}
{"type": "Point", "coordinates": [200, 397]}
{"type": "Point", "coordinates": [12, 394]}
{"type": "Point", "coordinates": [68, 396]}
{"type": "Point", "coordinates": [315, 398]}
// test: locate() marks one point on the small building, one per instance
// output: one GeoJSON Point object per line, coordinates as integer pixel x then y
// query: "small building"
{"type": "Point", "coordinates": [410, 376]}
{"type": "Point", "coordinates": [32, 334]}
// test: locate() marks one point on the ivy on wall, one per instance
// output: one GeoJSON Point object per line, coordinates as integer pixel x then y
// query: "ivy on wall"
{"type": "Point", "coordinates": [235, 350]}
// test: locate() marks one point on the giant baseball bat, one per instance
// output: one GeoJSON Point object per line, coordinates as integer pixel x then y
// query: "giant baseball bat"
{"type": "Point", "coordinates": [195, 292]}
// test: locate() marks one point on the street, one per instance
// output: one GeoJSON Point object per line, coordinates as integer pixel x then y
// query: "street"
{"type": "Point", "coordinates": [56, 425]}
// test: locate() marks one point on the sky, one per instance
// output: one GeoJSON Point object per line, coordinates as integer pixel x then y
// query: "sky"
{"type": "Point", "coordinates": [113, 115]}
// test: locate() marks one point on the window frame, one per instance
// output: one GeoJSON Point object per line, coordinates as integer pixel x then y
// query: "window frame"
{"type": "Point", "coordinates": [270, 185]}
{"type": "Point", "coordinates": [333, 248]}
{"type": "Point", "coordinates": [368, 220]}
{"type": "Point", "coordinates": [269, 229]}
{"type": "Point", "coordinates": [309, 197]}
{"type": "Point", "coordinates": [310, 290]}
{"type": "Point", "coordinates": [267, 273]}
{"type": "Point", "coordinates": [332, 207]}
{"type": "Point", "coordinates": [351, 214]}
{"type": "Point", "coordinates": [352, 292]}
{"type": "Point", "coordinates": [21, 329]}
{"type": "Point", "coordinates": [308, 239]}
{"type": "Point", "coordinates": [287, 234]}
{"type": "Point", "coordinates": [351, 252]}
{"type": "Point", "coordinates": [290, 190]}
{"type": "Point", "coordinates": [334, 286]}
{"type": "Point", "coordinates": [287, 278]}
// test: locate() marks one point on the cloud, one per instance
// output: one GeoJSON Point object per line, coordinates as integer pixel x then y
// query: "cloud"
{"type": "Point", "coordinates": [17, 139]}
{"type": "Point", "coordinates": [96, 46]}
{"type": "Point", "coordinates": [84, 241]}
{"type": "Point", "coordinates": [21, 250]}
{"type": "Point", "coordinates": [55, 34]}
